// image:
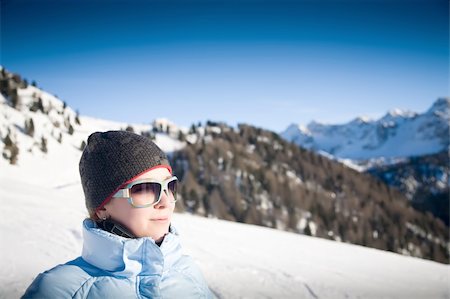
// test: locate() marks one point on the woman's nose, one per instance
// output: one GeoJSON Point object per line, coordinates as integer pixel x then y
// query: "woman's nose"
{"type": "Point", "coordinates": [164, 200]}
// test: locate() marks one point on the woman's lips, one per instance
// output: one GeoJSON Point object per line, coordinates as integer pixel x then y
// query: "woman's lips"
{"type": "Point", "coordinates": [160, 219]}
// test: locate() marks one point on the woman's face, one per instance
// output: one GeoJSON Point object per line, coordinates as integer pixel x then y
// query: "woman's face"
{"type": "Point", "coordinates": [142, 222]}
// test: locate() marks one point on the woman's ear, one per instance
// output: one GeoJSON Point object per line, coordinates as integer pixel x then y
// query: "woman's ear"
{"type": "Point", "coordinates": [102, 213]}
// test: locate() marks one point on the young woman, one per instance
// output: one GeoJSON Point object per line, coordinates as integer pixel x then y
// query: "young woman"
{"type": "Point", "coordinates": [130, 248]}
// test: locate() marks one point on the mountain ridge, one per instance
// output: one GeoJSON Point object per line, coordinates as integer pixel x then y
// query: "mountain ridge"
{"type": "Point", "coordinates": [397, 134]}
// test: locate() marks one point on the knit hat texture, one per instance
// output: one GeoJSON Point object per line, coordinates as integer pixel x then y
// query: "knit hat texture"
{"type": "Point", "coordinates": [112, 159]}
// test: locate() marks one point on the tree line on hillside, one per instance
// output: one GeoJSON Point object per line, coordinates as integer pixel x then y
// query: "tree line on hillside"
{"type": "Point", "coordinates": [251, 175]}
{"type": "Point", "coordinates": [10, 84]}
{"type": "Point", "coordinates": [425, 181]}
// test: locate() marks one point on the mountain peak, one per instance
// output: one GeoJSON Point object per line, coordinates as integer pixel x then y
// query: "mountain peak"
{"type": "Point", "coordinates": [362, 120]}
{"type": "Point", "coordinates": [441, 105]}
{"type": "Point", "coordinates": [398, 113]}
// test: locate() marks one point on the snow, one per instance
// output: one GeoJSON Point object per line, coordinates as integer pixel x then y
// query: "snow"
{"type": "Point", "coordinates": [168, 144]}
{"type": "Point", "coordinates": [40, 227]}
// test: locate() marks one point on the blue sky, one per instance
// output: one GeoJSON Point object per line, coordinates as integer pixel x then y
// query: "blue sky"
{"type": "Point", "coordinates": [266, 63]}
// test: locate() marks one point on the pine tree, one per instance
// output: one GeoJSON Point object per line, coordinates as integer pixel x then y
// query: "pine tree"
{"type": "Point", "coordinates": [16, 78]}
{"type": "Point", "coordinates": [192, 200]}
{"type": "Point", "coordinates": [8, 140]}
{"type": "Point", "coordinates": [36, 106]}
{"type": "Point", "coordinates": [67, 122]}
{"type": "Point", "coordinates": [15, 100]}
{"type": "Point", "coordinates": [4, 86]}
{"type": "Point", "coordinates": [44, 144]}
{"type": "Point", "coordinates": [77, 118]}
{"type": "Point", "coordinates": [192, 130]}
{"type": "Point", "coordinates": [29, 127]}
{"type": "Point", "coordinates": [181, 136]}
{"type": "Point", "coordinates": [14, 155]}
{"type": "Point", "coordinates": [71, 130]}
{"type": "Point", "coordinates": [11, 150]}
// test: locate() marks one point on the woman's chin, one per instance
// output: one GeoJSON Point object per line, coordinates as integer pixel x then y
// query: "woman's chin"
{"type": "Point", "coordinates": [155, 235]}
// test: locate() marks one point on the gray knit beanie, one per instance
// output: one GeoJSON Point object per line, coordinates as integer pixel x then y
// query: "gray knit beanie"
{"type": "Point", "coordinates": [112, 159]}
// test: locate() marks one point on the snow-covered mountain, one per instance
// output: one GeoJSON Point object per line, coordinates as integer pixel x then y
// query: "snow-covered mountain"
{"type": "Point", "coordinates": [397, 134]}
{"type": "Point", "coordinates": [36, 125]}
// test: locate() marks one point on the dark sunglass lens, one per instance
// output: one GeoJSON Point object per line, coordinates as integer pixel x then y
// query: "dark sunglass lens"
{"type": "Point", "coordinates": [142, 188]}
{"type": "Point", "coordinates": [145, 193]}
{"type": "Point", "coordinates": [173, 186]}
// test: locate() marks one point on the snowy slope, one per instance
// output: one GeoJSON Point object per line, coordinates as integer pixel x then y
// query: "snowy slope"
{"type": "Point", "coordinates": [51, 127]}
{"type": "Point", "coordinates": [397, 134]}
{"type": "Point", "coordinates": [40, 225]}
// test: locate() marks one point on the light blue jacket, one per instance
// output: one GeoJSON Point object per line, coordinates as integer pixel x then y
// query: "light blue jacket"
{"type": "Point", "coordinates": [115, 267]}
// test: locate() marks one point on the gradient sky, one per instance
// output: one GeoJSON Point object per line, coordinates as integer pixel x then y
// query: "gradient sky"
{"type": "Point", "coordinates": [266, 63]}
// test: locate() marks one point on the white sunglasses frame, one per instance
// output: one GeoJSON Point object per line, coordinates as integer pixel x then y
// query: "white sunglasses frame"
{"type": "Point", "coordinates": [125, 192]}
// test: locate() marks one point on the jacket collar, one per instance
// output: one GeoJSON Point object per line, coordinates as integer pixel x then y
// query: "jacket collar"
{"type": "Point", "coordinates": [125, 257]}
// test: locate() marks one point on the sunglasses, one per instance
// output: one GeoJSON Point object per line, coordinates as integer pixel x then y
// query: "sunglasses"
{"type": "Point", "coordinates": [147, 192]}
